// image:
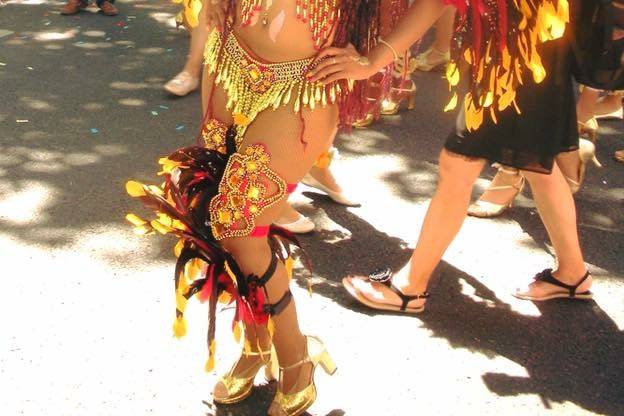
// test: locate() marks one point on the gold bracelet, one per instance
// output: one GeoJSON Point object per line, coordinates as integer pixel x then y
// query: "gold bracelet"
{"type": "Point", "coordinates": [394, 52]}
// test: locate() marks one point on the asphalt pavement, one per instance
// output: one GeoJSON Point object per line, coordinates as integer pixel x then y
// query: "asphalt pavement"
{"type": "Point", "coordinates": [87, 306]}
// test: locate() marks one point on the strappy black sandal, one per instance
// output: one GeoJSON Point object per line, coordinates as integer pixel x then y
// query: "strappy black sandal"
{"type": "Point", "coordinates": [570, 291]}
{"type": "Point", "coordinates": [384, 276]}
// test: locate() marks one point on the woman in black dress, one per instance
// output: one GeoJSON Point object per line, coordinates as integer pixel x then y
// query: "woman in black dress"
{"type": "Point", "coordinates": [527, 135]}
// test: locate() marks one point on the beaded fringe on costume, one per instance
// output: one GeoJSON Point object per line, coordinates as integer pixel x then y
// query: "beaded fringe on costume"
{"type": "Point", "coordinates": [253, 86]}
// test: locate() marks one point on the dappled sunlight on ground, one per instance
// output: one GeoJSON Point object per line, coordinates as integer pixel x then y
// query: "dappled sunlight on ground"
{"type": "Point", "coordinates": [90, 305]}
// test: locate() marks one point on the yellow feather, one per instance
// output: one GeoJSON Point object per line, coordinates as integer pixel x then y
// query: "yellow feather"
{"type": "Point", "coordinates": [135, 220]}
{"type": "Point", "coordinates": [288, 264]}
{"type": "Point", "coordinates": [211, 357]}
{"type": "Point", "coordinates": [179, 327]}
{"type": "Point", "coordinates": [134, 188]}
{"type": "Point", "coordinates": [270, 328]}
{"type": "Point", "coordinates": [177, 249]}
{"type": "Point", "coordinates": [237, 332]}
{"type": "Point", "coordinates": [452, 104]}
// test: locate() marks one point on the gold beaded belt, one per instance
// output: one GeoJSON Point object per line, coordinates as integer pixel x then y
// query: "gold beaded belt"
{"type": "Point", "coordinates": [253, 86]}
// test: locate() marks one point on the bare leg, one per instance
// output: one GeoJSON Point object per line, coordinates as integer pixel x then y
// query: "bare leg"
{"type": "Point", "coordinates": [187, 80]}
{"type": "Point", "coordinates": [290, 160]}
{"type": "Point", "coordinates": [195, 58]}
{"type": "Point", "coordinates": [444, 218]}
{"type": "Point", "coordinates": [610, 104]}
{"type": "Point", "coordinates": [586, 105]}
{"type": "Point", "coordinates": [444, 31]}
{"type": "Point", "coordinates": [556, 208]}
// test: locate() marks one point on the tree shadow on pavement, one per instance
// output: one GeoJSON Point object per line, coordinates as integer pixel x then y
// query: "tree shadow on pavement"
{"type": "Point", "coordinates": [572, 352]}
{"type": "Point", "coordinates": [83, 111]}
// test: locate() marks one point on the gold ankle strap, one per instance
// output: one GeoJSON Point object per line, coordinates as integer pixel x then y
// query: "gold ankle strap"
{"type": "Point", "coordinates": [298, 364]}
{"type": "Point", "coordinates": [256, 353]}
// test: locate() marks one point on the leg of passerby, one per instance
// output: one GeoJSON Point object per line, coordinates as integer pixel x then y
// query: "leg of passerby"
{"type": "Point", "coordinates": [107, 7]}
{"type": "Point", "coordinates": [558, 213]}
{"type": "Point", "coordinates": [444, 218]}
{"type": "Point", "coordinates": [73, 7]}
{"type": "Point", "coordinates": [187, 80]}
{"type": "Point", "coordinates": [438, 55]}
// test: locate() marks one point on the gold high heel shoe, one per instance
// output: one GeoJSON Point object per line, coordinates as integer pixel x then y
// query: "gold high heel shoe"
{"type": "Point", "coordinates": [587, 153]}
{"type": "Point", "coordinates": [295, 403]}
{"type": "Point", "coordinates": [403, 88]}
{"type": "Point", "coordinates": [239, 386]}
{"type": "Point", "coordinates": [485, 209]}
{"type": "Point", "coordinates": [390, 107]}
{"type": "Point", "coordinates": [365, 122]}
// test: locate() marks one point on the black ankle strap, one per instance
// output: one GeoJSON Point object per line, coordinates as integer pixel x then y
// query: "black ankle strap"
{"type": "Point", "coordinates": [547, 277]}
{"type": "Point", "coordinates": [384, 276]}
{"type": "Point", "coordinates": [279, 306]}
{"type": "Point", "coordinates": [405, 299]}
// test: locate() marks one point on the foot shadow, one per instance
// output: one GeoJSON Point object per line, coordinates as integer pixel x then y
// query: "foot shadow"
{"type": "Point", "coordinates": [257, 404]}
{"type": "Point", "coordinates": [572, 352]}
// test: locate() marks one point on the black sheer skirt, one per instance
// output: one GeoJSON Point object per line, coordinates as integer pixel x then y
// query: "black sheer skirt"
{"type": "Point", "coordinates": [546, 127]}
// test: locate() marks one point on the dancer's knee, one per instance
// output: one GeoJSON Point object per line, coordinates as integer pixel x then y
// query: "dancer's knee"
{"type": "Point", "coordinates": [458, 174]}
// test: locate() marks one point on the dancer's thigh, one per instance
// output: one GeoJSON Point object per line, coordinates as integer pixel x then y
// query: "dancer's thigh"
{"type": "Point", "coordinates": [294, 142]}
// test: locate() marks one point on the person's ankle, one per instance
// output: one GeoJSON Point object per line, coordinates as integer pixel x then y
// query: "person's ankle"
{"type": "Point", "coordinates": [195, 73]}
{"type": "Point", "coordinates": [409, 283]}
{"type": "Point", "coordinates": [325, 177]}
{"type": "Point", "coordinates": [570, 275]}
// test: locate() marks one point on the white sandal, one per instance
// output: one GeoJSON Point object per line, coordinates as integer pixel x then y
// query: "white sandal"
{"type": "Point", "coordinates": [337, 197]}
{"type": "Point", "coordinates": [182, 84]}
{"type": "Point", "coordinates": [301, 225]}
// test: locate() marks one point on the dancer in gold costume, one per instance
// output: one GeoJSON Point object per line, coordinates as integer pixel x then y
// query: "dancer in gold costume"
{"type": "Point", "coordinates": [264, 127]}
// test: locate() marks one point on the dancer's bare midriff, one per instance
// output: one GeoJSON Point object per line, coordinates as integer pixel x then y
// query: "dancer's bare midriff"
{"type": "Point", "coordinates": [284, 37]}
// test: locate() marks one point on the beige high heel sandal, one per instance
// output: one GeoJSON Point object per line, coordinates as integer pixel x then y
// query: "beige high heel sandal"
{"type": "Point", "coordinates": [485, 209]}
{"type": "Point", "coordinates": [423, 63]}
{"type": "Point", "coordinates": [587, 153]}
{"type": "Point", "coordinates": [296, 403]}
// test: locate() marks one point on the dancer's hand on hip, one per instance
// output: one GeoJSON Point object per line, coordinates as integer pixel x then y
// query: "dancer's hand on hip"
{"type": "Point", "coordinates": [334, 64]}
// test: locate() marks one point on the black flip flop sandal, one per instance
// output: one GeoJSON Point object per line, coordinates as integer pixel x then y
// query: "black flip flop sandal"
{"type": "Point", "coordinates": [384, 276]}
{"type": "Point", "coordinates": [569, 292]}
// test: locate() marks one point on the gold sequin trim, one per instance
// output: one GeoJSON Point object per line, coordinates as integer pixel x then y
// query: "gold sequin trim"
{"type": "Point", "coordinates": [244, 192]}
{"type": "Point", "coordinates": [253, 86]}
{"type": "Point", "coordinates": [213, 133]}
